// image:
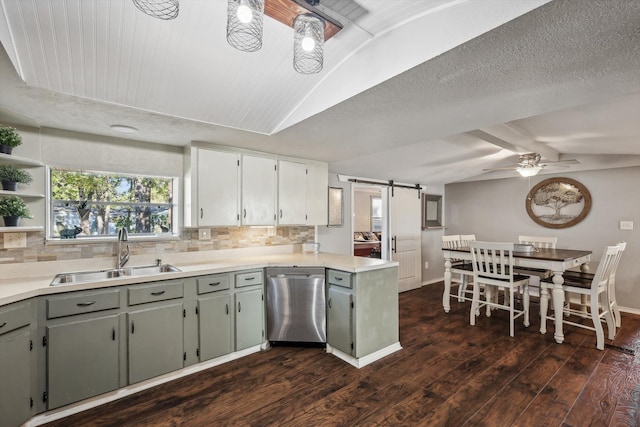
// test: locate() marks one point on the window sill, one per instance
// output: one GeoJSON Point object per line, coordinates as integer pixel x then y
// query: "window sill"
{"type": "Point", "coordinates": [111, 239]}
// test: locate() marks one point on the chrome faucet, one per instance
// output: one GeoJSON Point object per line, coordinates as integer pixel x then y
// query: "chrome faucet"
{"type": "Point", "coordinates": [122, 258]}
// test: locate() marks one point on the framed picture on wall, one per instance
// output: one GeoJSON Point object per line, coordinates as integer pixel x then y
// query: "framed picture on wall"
{"type": "Point", "coordinates": [558, 202]}
{"type": "Point", "coordinates": [431, 211]}
{"type": "Point", "coordinates": [336, 205]}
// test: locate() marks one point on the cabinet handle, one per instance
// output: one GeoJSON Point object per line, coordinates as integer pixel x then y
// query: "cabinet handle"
{"type": "Point", "coordinates": [85, 304]}
{"type": "Point", "coordinates": [133, 328]}
{"type": "Point", "coordinates": [329, 302]}
{"type": "Point", "coordinates": [239, 307]}
{"type": "Point", "coordinates": [226, 307]}
{"type": "Point", "coordinates": [393, 244]}
{"type": "Point", "coordinates": [280, 213]}
{"type": "Point", "coordinates": [157, 293]}
{"type": "Point", "coordinates": [244, 213]}
{"type": "Point", "coordinates": [113, 334]}
{"type": "Point", "coordinates": [201, 213]}
{"type": "Point", "coordinates": [338, 279]}
{"type": "Point", "coordinates": [214, 284]}
{"type": "Point", "coordinates": [3, 325]}
{"type": "Point", "coordinates": [250, 278]}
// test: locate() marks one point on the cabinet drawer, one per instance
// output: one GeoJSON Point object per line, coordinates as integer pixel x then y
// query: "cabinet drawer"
{"type": "Point", "coordinates": [213, 283]}
{"type": "Point", "coordinates": [84, 302]}
{"type": "Point", "coordinates": [14, 316]}
{"type": "Point", "coordinates": [249, 278]}
{"type": "Point", "coordinates": [340, 278]}
{"type": "Point", "coordinates": [157, 292]}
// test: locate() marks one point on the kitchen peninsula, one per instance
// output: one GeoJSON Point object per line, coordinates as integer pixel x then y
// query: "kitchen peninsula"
{"type": "Point", "coordinates": [161, 327]}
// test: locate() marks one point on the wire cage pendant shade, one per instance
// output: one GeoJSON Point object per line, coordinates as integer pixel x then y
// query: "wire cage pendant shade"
{"type": "Point", "coordinates": [308, 43]}
{"type": "Point", "coordinates": [244, 24]}
{"type": "Point", "coordinates": [161, 9]}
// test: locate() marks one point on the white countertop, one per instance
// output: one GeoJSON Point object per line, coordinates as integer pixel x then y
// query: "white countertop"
{"type": "Point", "coordinates": [32, 279]}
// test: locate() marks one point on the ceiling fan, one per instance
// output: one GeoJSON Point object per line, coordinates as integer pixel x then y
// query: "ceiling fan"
{"type": "Point", "coordinates": [529, 164]}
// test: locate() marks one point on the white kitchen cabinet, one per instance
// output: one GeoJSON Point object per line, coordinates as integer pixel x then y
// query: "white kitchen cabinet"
{"type": "Point", "coordinates": [258, 190]}
{"type": "Point", "coordinates": [292, 193]}
{"type": "Point", "coordinates": [215, 188]}
{"type": "Point", "coordinates": [317, 194]}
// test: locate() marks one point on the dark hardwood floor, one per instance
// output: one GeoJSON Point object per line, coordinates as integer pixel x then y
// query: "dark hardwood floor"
{"type": "Point", "coordinates": [448, 373]}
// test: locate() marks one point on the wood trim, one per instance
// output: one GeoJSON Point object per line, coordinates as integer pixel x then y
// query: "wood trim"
{"type": "Point", "coordinates": [285, 11]}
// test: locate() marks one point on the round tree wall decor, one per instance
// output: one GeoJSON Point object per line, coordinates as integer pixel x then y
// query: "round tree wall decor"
{"type": "Point", "coordinates": [558, 202]}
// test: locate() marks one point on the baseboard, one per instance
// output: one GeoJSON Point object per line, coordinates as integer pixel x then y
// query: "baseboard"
{"type": "Point", "coordinates": [630, 310]}
{"type": "Point", "coordinates": [365, 360]}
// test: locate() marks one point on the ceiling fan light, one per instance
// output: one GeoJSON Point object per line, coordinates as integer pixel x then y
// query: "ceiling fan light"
{"type": "Point", "coordinates": [308, 43]}
{"type": "Point", "coordinates": [244, 24]}
{"type": "Point", "coordinates": [161, 9]}
{"type": "Point", "coordinates": [529, 171]}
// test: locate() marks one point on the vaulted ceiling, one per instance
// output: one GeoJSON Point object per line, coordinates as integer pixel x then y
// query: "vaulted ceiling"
{"type": "Point", "coordinates": [429, 91]}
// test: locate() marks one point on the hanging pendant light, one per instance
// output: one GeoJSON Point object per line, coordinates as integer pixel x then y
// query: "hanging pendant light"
{"type": "Point", "coordinates": [308, 43]}
{"type": "Point", "coordinates": [161, 9]}
{"type": "Point", "coordinates": [244, 24]}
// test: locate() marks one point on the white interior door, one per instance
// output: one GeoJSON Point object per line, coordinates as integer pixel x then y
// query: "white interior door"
{"type": "Point", "coordinates": [405, 237]}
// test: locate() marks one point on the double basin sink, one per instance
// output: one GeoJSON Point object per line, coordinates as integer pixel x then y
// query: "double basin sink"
{"type": "Point", "coordinates": [99, 275]}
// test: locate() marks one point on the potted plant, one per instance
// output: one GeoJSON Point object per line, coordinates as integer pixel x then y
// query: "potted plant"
{"type": "Point", "coordinates": [9, 139]}
{"type": "Point", "coordinates": [10, 176]}
{"type": "Point", "coordinates": [13, 208]}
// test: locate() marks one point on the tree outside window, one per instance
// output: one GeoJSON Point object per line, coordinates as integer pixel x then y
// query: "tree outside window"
{"type": "Point", "coordinates": [86, 203]}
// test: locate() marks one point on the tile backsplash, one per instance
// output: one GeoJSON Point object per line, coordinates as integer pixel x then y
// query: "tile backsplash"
{"type": "Point", "coordinates": [221, 238]}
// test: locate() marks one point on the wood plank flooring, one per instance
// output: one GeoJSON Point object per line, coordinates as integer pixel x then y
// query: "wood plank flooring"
{"type": "Point", "coordinates": [448, 374]}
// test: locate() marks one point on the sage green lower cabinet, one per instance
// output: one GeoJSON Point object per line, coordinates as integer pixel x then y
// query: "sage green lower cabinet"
{"type": "Point", "coordinates": [249, 317]}
{"type": "Point", "coordinates": [15, 377]}
{"type": "Point", "coordinates": [214, 324]}
{"type": "Point", "coordinates": [362, 311]}
{"type": "Point", "coordinates": [82, 359]}
{"type": "Point", "coordinates": [340, 319]}
{"type": "Point", "coordinates": [155, 341]}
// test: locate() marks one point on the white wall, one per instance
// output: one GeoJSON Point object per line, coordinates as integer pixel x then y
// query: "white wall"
{"type": "Point", "coordinates": [432, 246]}
{"type": "Point", "coordinates": [495, 210]}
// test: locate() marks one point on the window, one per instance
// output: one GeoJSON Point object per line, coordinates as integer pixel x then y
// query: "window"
{"type": "Point", "coordinates": [97, 204]}
{"type": "Point", "coordinates": [376, 213]}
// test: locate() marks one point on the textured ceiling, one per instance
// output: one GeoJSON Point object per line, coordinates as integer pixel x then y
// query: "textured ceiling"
{"type": "Point", "coordinates": [403, 83]}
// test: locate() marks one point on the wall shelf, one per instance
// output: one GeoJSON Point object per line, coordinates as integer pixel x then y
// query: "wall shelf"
{"type": "Point", "coordinates": [7, 159]}
{"type": "Point", "coordinates": [24, 194]}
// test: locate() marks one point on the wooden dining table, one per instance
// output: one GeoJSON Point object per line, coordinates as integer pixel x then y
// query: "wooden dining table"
{"type": "Point", "coordinates": [556, 260]}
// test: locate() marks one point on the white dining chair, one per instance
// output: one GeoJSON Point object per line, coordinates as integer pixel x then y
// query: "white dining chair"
{"type": "Point", "coordinates": [493, 269]}
{"type": "Point", "coordinates": [613, 302]}
{"type": "Point", "coordinates": [536, 274]}
{"type": "Point", "coordinates": [462, 271]}
{"type": "Point", "coordinates": [596, 290]}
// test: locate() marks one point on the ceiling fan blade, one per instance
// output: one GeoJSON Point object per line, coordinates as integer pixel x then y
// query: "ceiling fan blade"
{"type": "Point", "coordinates": [563, 162]}
{"type": "Point", "coordinates": [501, 169]}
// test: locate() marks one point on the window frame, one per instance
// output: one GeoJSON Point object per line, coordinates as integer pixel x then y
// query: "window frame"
{"type": "Point", "coordinates": [173, 234]}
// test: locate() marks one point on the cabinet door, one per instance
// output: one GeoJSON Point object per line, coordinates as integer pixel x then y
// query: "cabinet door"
{"type": "Point", "coordinates": [317, 194]}
{"type": "Point", "coordinates": [340, 319]}
{"type": "Point", "coordinates": [258, 190]}
{"type": "Point", "coordinates": [249, 308]}
{"type": "Point", "coordinates": [155, 342]}
{"type": "Point", "coordinates": [214, 318]}
{"type": "Point", "coordinates": [15, 378]}
{"type": "Point", "coordinates": [82, 359]}
{"type": "Point", "coordinates": [218, 188]}
{"type": "Point", "coordinates": [292, 189]}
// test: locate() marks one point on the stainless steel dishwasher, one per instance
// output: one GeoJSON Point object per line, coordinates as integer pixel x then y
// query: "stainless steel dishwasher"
{"type": "Point", "coordinates": [296, 309]}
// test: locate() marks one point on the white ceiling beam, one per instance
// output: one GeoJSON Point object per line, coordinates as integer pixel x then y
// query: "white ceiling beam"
{"type": "Point", "coordinates": [505, 136]}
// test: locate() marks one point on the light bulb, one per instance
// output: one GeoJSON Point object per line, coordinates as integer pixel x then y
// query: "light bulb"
{"type": "Point", "coordinates": [308, 44]}
{"type": "Point", "coordinates": [244, 14]}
